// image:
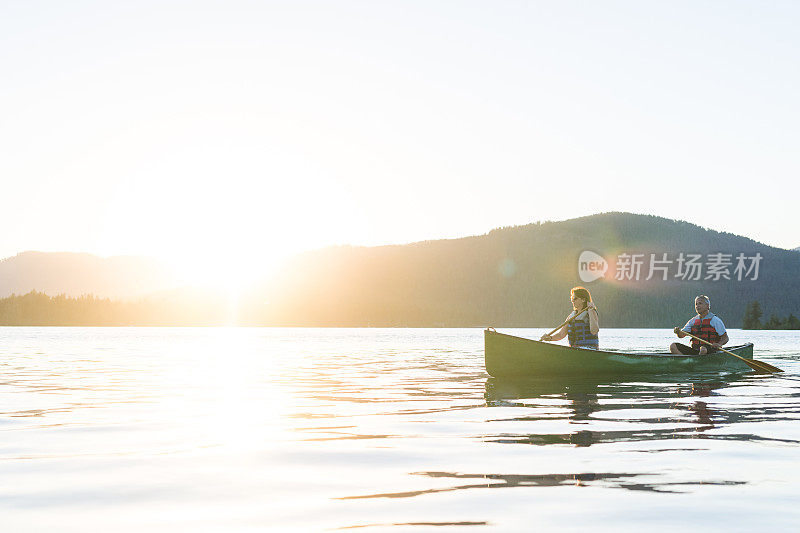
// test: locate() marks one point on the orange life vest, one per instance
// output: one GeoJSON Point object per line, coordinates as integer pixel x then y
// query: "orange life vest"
{"type": "Point", "coordinates": [702, 328]}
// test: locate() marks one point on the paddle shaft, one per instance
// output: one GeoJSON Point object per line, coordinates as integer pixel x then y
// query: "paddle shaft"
{"type": "Point", "coordinates": [568, 321]}
{"type": "Point", "coordinates": [752, 363]}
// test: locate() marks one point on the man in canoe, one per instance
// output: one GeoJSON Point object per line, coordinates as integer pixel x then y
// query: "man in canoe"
{"type": "Point", "coordinates": [582, 324]}
{"type": "Point", "coordinates": [705, 325]}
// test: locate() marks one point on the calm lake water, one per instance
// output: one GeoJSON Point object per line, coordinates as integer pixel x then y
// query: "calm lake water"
{"type": "Point", "coordinates": [263, 429]}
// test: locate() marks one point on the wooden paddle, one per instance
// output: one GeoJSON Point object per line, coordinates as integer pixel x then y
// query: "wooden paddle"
{"type": "Point", "coordinates": [760, 366]}
{"type": "Point", "coordinates": [567, 322]}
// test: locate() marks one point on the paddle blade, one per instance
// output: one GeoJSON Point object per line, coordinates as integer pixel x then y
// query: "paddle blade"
{"type": "Point", "coordinates": [761, 366]}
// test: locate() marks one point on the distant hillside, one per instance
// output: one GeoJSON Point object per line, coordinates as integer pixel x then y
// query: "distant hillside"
{"type": "Point", "coordinates": [76, 274]}
{"type": "Point", "coordinates": [511, 277]}
{"type": "Point", "coordinates": [520, 276]}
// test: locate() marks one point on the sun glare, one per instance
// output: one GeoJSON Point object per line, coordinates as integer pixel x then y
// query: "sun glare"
{"type": "Point", "coordinates": [229, 274]}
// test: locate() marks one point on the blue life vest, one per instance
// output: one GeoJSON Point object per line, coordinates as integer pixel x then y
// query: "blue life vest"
{"type": "Point", "coordinates": [580, 335]}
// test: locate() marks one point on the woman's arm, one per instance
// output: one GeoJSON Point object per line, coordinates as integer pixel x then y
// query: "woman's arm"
{"type": "Point", "coordinates": [560, 334]}
{"type": "Point", "coordinates": [594, 319]}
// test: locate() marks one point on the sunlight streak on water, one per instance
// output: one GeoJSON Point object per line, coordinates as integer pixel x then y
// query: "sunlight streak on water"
{"type": "Point", "coordinates": [239, 429]}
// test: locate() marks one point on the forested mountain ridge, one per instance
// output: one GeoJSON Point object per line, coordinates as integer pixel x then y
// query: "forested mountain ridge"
{"type": "Point", "coordinates": [510, 277]}
{"type": "Point", "coordinates": [520, 276]}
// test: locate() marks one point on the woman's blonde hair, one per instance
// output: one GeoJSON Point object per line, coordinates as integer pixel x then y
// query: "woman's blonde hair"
{"type": "Point", "coordinates": [581, 292]}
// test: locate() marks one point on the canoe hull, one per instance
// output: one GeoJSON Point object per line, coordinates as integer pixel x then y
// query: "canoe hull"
{"type": "Point", "coordinates": [510, 356]}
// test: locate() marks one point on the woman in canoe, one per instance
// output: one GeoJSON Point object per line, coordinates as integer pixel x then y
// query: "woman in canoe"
{"type": "Point", "coordinates": [583, 329]}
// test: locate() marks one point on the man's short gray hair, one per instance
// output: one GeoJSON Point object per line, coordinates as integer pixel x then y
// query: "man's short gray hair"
{"type": "Point", "coordinates": [704, 297]}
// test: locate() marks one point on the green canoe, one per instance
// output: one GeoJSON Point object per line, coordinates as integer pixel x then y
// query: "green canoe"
{"type": "Point", "coordinates": [510, 356]}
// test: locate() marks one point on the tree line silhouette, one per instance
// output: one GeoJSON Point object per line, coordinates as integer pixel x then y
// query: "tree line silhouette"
{"type": "Point", "coordinates": [753, 314]}
{"type": "Point", "coordinates": [38, 309]}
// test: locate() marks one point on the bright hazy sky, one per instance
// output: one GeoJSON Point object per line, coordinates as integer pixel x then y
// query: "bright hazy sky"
{"type": "Point", "coordinates": [189, 129]}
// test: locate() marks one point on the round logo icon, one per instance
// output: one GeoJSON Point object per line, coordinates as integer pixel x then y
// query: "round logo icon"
{"type": "Point", "coordinates": [591, 266]}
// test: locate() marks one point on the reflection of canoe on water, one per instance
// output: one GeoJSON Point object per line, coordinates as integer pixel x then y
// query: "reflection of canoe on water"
{"type": "Point", "coordinates": [510, 356]}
